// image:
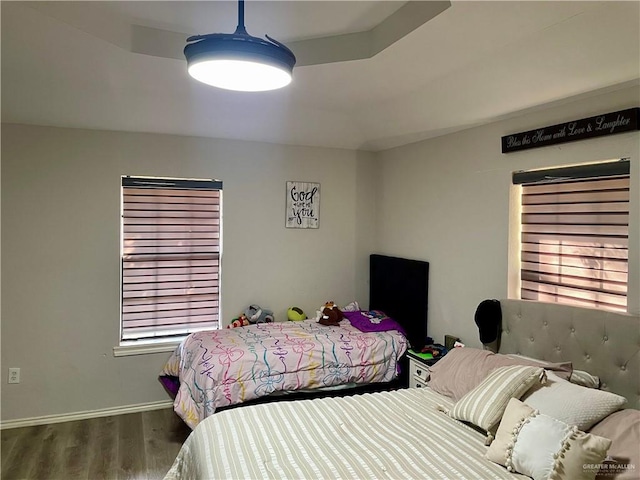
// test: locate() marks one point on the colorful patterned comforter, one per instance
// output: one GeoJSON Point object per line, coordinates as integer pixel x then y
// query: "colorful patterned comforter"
{"type": "Point", "coordinates": [225, 367]}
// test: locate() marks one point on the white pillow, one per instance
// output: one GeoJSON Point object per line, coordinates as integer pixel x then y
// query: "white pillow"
{"type": "Point", "coordinates": [572, 404]}
{"type": "Point", "coordinates": [352, 307]}
{"type": "Point", "coordinates": [542, 447]}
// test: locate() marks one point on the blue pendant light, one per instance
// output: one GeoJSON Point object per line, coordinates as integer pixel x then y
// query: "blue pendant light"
{"type": "Point", "coordinates": [239, 61]}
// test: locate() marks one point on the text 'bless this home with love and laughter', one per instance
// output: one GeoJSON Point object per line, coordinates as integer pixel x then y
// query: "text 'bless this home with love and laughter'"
{"type": "Point", "coordinates": [598, 126]}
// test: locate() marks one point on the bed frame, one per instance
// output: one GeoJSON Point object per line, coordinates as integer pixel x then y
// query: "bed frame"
{"type": "Point", "coordinates": [400, 288]}
{"type": "Point", "coordinates": [602, 343]}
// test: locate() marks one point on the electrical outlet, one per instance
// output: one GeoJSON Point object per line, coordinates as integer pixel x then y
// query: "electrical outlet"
{"type": "Point", "coordinates": [14, 375]}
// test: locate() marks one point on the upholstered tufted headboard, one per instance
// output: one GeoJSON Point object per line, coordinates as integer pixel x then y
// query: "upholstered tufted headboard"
{"type": "Point", "coordinates": [602, 343]}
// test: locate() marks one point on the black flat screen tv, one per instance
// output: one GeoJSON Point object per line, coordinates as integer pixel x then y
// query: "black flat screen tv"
{"type": "Point", "coordinates": [400, 288]}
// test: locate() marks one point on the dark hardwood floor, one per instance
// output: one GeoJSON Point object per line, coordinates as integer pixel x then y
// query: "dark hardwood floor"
{"type": "Point", "coordinates": [139, 446]}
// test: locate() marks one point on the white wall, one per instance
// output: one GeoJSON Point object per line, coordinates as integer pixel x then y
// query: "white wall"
{"type": "Point", "coordinates": [446, 200]}
{"type": "Point", "coordinates": [60, 249]}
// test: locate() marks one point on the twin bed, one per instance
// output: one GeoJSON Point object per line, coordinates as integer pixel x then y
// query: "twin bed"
{"type": "Point", "coordinates": [211, 370]}
{"type": "Point", "coordinates": [420, 433]}
{"type": "Point", "coordinates": [227, 367]}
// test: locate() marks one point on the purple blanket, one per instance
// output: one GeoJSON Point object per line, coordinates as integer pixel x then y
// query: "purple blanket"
{"type": "Point", "coordinates": [373, 321]}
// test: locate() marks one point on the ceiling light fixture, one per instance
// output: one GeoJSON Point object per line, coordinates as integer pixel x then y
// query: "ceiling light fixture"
{"type": "Point", "coordinates": [238, 61]}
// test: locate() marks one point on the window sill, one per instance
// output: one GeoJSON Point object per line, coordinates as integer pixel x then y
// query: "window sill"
{"type": "Point", "coordinates": [136, 348]}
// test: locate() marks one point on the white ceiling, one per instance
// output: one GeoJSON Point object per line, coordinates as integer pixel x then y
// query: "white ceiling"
{"type": "Point", "coordinates": [71, 64]}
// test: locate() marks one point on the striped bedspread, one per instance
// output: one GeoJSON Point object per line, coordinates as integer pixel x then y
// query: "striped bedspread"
{"type": "Point", "coordinates": [388, 435]}
{"type": "Point", "coordinates": [230, 366]}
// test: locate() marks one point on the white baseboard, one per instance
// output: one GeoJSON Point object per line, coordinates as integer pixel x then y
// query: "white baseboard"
{"type": "Point", "coordinates": [67, 417]}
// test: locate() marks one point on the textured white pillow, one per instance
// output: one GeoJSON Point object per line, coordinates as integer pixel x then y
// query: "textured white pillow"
{"type": "Point", "coordinates": [545, 448]}
{"type": "Point", "coordinates": [572, 404]}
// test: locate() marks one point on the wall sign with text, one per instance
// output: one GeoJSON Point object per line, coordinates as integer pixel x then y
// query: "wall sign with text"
{"type": "Point", "coordinates": [598, 126]}
{"type": "Point", "coordinates": [303, 205]}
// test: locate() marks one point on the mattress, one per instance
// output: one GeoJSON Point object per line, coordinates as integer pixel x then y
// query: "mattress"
{"type": "Point", "coordinates": [395, 435]}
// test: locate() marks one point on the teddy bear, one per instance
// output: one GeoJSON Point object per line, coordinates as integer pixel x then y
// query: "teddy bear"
{"type": "Point", "coordinates": [255, 314]}
{"type": "Point", "coordinates": [330, 314]}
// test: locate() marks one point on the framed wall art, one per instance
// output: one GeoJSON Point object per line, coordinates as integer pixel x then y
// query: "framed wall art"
{"type": "Point", "coordinates": [303, 205]}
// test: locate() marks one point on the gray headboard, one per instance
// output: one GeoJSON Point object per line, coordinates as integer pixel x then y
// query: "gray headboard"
{"type": "Point", "coordinates": [602, 343]}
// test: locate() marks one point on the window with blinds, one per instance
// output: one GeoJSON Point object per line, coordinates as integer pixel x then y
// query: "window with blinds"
{"type": "Point", "coordinates": [574, 235]}
{"type": "Point", "coordinates": [171, 248]}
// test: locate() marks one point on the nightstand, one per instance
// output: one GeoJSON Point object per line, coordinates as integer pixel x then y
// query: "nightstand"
{"type": "Point", "coordinates": [419, 370]}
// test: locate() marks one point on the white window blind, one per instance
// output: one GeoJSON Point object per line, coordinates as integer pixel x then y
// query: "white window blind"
{"type": "Point", "coordinates": [574, 239]}
{"type": "Point", "coordinates": [171, 247]}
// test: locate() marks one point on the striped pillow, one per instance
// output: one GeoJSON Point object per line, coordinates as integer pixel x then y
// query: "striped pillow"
{"type": "Point", "coordinates": [484, 405]}
{"type": "Point", "coordinates": [585, 379]}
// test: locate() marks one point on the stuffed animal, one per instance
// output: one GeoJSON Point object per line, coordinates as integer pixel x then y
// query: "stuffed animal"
{"type": "Point", "coordinates": [241, 321]}
{"type": "Point", "coordinates": [330, 314]}
{"type": "Point", "coordinates": [295, 314]}
{"type": "Point", "coordinates": [255, 314]}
